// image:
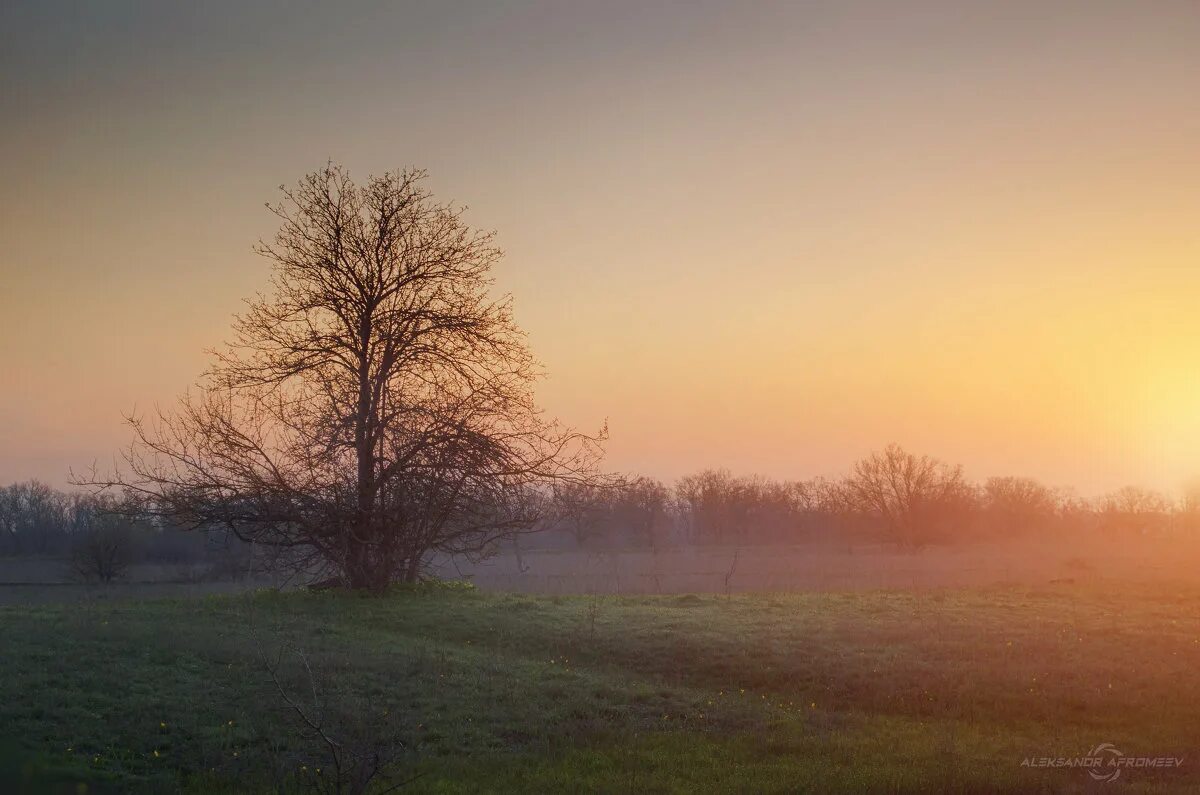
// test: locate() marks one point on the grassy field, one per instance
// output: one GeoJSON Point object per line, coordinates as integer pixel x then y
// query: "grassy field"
{"type": "Point", "coordinates": [880, 690]}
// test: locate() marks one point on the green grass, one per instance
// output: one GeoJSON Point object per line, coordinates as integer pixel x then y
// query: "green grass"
{"type": "Point", "coordinates": [883, 691]}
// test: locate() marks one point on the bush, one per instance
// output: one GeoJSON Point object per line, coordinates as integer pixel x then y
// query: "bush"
{"type": "Point", "coordinates": [103, 552]}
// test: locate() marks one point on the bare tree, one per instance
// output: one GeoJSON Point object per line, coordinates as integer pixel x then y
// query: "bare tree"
{"type": "Point", "coordinates": [733, 562]}
{"type": "Point", "coordinates": [582, 508]}
{"type": "Point", "coordinates": [1018, 504]}
{"type": "Point", "coordinates": [650, 499]}
{"type": "Point", "coordinates": [347, 749]}
{"type": "Point", "coordinates": [1187, 514]}
{"type": "Point", "coordinates": [102, 545]}
{"type": "Point", "coordinates": [914, 498]}
{"type": "Point", "coordinates": [375, 405]}
{"type": "Point", "coordinates": [10, 517]}
{"type": "Point", "coordinates": [715, 506]}
{"type": "Point", "coordinates": [34, 519]}
{"type": "Point", "coordinates": [1136, 509]}
{"type": "Point", "coordinates": [643, 507]}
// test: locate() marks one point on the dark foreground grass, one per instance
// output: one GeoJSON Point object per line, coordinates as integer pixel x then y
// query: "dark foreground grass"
{"type": "Point", "coordinates": [881, 691]}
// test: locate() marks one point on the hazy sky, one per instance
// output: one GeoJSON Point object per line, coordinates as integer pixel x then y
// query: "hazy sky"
{"type": "Point", "coordinates": [764, 236]}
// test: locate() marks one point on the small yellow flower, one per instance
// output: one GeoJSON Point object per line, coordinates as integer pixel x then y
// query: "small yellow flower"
{"type": "Point", "coordinates": [156, 753]}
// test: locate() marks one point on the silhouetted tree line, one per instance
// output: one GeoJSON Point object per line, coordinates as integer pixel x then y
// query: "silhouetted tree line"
{"type": "Point", "coordinates": [97, 536]}
{"type": "Point", "coordinates": [890, 496]}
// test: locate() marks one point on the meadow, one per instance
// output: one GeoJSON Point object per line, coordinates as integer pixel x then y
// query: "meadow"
{"type": "Point", "coordinates": [886, 690]}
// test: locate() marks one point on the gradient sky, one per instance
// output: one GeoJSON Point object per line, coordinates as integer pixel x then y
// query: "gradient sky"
{"type": "Point", "coordinates": [770, 237]}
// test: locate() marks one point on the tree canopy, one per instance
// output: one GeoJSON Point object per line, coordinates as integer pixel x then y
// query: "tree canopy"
{"type": "Point", "coordinates": [376, 401]}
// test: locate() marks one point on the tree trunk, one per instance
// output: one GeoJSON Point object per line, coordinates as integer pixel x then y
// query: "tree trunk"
{"type": "Point", "coordinates": [412, 568]}
{"type": "Point", "coordinates": [359, 574]}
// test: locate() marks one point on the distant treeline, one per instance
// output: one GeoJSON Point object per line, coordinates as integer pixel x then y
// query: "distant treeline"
{"type": "Point", "coordinates": [98, 539]}
{"type": "Point", "coordinates": [890, 496]}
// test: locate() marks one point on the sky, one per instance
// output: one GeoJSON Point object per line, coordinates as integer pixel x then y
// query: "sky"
{"type": "Point", "coordinates": [767, 237]}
